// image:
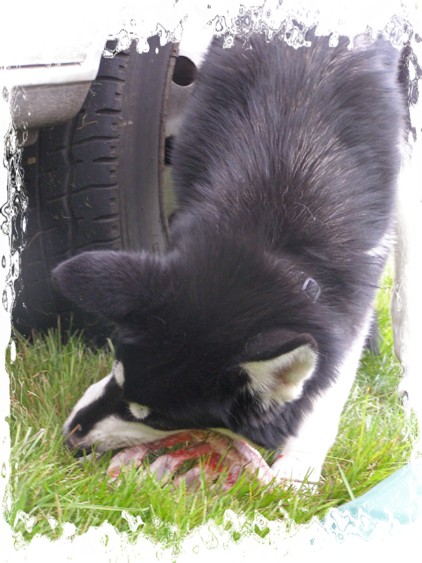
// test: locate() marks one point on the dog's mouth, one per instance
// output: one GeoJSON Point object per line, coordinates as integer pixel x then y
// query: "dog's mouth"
{"type": "Point", "coordinates": [75, 445]}
{"type": "Point", "coordinates": [76, 449]}
{"type": "Point", "coordinates": [83, 453]}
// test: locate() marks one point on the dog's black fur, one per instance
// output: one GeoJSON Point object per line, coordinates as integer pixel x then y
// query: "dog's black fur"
{"type": "Point", "coordinates": [285, 172]}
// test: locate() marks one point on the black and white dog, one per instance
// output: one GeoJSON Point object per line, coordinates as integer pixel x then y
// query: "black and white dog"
{"type": "Point", "coordinates": [254, 320]}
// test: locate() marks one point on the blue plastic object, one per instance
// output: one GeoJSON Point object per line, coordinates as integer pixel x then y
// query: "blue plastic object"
{"type": "Point", "coordinates": [391, 509]}
{"type": "Point", "coordinates": [397, 497]}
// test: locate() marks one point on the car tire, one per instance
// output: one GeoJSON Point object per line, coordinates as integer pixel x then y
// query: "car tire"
{"type": "Point", "coordinates": [95, 183]}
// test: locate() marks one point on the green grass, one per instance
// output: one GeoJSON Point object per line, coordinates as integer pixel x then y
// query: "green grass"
{"type": "Point", "coordinates": [52, 488]}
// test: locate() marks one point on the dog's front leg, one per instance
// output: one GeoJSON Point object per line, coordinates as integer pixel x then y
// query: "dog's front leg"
{"type": "Point", "coordinates": [303, 455]}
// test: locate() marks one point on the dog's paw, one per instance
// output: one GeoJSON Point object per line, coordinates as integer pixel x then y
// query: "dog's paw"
{"type": "Point", "coordinates": [299, 471]}
{"type": "Point", "coordinates": [410, 395]}
{"type": "Point", "coordinates": [404, 392]}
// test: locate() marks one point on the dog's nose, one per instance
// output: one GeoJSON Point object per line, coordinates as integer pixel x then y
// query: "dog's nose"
{"type": "Point", "coordinates": [74, 445]}
{"type": "Point", "coordinates": [71, 435]}
{"type": "Point", "coordinates": [71, 442]}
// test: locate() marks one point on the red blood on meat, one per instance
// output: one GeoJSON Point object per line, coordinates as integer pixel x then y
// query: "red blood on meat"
{"type": "Point", "coordinates": [223, 454]}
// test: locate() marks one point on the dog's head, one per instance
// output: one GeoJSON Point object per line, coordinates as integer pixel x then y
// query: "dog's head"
{"type": "Point", "coordinates": [192, 352]}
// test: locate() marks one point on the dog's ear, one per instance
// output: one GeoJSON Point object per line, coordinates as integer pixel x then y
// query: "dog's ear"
{"type": "Point", "coordinates": [278, 362]}
{"type": "Point", "coordinates": [112, 284]}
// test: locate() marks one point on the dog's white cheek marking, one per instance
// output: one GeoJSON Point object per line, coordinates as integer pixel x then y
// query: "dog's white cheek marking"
{"type": "Point", "coordinates": [112, 433]}
{"type": "Point", "coordinates": [93, 393]}
{"type": "Point", "coordinates": [304, 454]}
